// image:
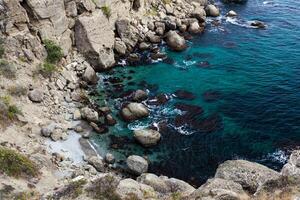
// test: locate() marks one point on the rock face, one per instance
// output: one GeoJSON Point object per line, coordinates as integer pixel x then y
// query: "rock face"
{"type": "Point", "coordinates": [137, 164]}
{"type": "Point", "coordinates": [212, 10]}
{"type": "Point", "coordinates": [147, 137]}
{"type": "Point", "coordinates": [249, 175]}
{"type": "Point", "coordinates": [292, 168]}
{"type": "Point", "coordinates": [219, 189]}
{"type": "Point", "coordinates": [95, 39]}
{"type": "Point", "coordinates": [131, 189]}
{"type": "Point", "coordinates": [175, 41]}
{"type": "Point", "coordinates": [127, 33]}
{"type": "Point", "coordinates": [134, 111]}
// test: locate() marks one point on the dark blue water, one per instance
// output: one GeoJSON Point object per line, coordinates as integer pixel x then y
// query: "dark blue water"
{"type": "Point", "coordinates": [240, 90]}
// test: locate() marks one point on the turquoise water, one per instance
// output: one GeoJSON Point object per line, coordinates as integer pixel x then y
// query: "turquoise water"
{"type": "Point", "coordinates": [245, 83]}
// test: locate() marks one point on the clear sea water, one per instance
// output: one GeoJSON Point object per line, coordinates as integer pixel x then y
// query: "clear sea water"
{"type": "Point", "coordinates": [246, 81]}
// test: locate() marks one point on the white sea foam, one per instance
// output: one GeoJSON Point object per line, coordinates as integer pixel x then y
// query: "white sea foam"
{"type": "Point", "coordinates": [278, 156]}
{"type": "Point", "coordinates": [184, 130]}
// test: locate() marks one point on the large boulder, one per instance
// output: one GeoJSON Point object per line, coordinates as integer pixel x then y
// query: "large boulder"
{"type": "Point", "coordinates": [219, 189]}
{"type": "Point", "coordinates": [250, 175]}
{"type": "Point", "coordinates": [134, 111]}
{"type": "Point", "coordinates": [36, 95]}
{"type": "Point", "coordinates": [131, 189]}
{"type": "Point", "coordinates": [194, 28]}
{"type": "Point", "coordinates": [154, 181]}
{"type": "Point", "coordinates": [90, 75]}
{"type": "Point", "coordinates": [199, 13]}
{"type": "Point", "coordinates": [127, 33]}
{"type": "Point", "coordinates": [179, 186]}
{"type": "Point", "coordinates": [95, 39]}
{"type": "Point", "coordinates": [292, 168]}
{"type": "Point", "coordinates": [147, 137]}
{"type": "Point", "coordinates": [175, 41]}
{"type": "Point", "coordinates": [137, 164]}
{"type": "Point", "coordinates": [89, 114]}
{"type": "Point", "coordinates": [212, 10]}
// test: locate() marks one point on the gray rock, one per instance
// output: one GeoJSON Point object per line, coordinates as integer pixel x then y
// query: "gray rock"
{"type": "Point", "coordinates": [127, 33]}
{"type": "Point", "coordinates": [36, 95]}
{"type": "Point", "coordinates": [176, 185]}
{"type": "Point", "coordinates": [292, 168]}
{"type": "Point", "coordinates": [96, 162]}
{"type": "Point", "coordinates": [212, 10]}
{"type": "Point", "coordinates": [48, 130]}
{"type": "Point", "coordinates": [139, 95]}
{"type": "Point", "coordinates": [194, 28]}
{"type": "Point", "coordinates": [89, 114]}
{"type": "Point", "coordinates": [154, 181]}
{"type": "Point", "coordinates": [153, 38]}
{"type": "Point", "coordinates": [219, 189]}
{"type": "Point", "coordinates": [137, 164]}
{"type": "Point", "coordinates": [95, 39]}
{"type": "Point", "coordinates": [134, 111]}
{"type": "Point", "coordinates": [147, 137]}
{"type": "Point", "coordinates": [199, 13]}
{"type": "Point", "coordinates": [90, 75]}
{"type": "Point", "coordinates": [250, 175]}
{"type": "Point", "coordinates": [144, 46]}
{"type": "Point", "coordinates": [231, 13]}
{"type": "Point", "coordinates": [58, 134]}
{"type": "Point", "coordinates": [120, 47]}
{"type": "Point", "coordinates": [257, 24]}
{"type": "Point", "coordinates": [175, 41]}
{"type": "Point", "coordinates": [77, 115]}
{"type": "Point", "coordinates": [109, 158]}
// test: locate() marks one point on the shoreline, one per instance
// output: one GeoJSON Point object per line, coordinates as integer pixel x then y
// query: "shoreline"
{"type": "Point", "coordinates": [50, 106]}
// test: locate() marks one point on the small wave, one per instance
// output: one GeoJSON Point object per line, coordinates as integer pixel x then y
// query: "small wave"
{"type": "Point", "coordinates": [189, 63]}
{"type": "Point", "coordinates": [138, 125]}
{"type": "Point", "coordinates": [238, 22]}
{"type": "Point", "coordinates": [122, 62]}
{"type": "Point", "coordinates": [184, 130]}
{"type": "Point", "coordinates": [278, 156]}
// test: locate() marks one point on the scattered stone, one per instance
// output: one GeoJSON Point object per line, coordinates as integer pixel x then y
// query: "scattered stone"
{"type": "Point", "coordinates": [89, 114]}
{"type": "Point", "coordinates": [109, 158]}
{"type": "Point", "coordinates": [48, 130]}
{"type": "Point", "coordinates": [137, 164]}
{"type": "Point", "coordinates": [58, 134]}
{"type": "Point", "coordinates": [175, 41]}
{"type": "Point", "coordinates": [36, 95]}
{"type": "Point", "coordinates": [110, 121]}
{"type": "Point", "coordinates": [78, 129]}
{"type": "Point", "coordinates": [139, 95]}
{"type": "Point", "coordinates": [90, 75]}
{"type": "Point", "coordinates": [231, 13]}
{"type": "Point", "coordinates": [77, 114]}
{"type": "Point", "coordinates": [134, 111]}
{"type": "Point", "coordinates": [212, 10]}
{"type": "Point", "coordinates": [147, 137]}
{"type": "Point", "coordinates": [96, 162]}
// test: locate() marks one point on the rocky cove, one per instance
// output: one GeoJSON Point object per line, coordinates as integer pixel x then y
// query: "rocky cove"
{"type": "Point", "coordinates": [52, 108]}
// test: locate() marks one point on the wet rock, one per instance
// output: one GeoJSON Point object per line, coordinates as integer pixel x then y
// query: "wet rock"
{"type": "Point", "coordinates": [210, 124]}
{"type": "Point", "coordinates": [98, 129]}
{"type": "Point", "coordinates": [183, 94]}
{"type": "Point", "coordinates": [109, 120]}
{"type": "Point", "coordinates": [219, 189]}
{"type": "Point", "coordinates": [175, 41]}
{"type": "Point", "coordinates": [137, 164]}
{"type": "Point", "coordinates": [153, 38]}
{"type": "Point", "coordinates": [194, 28]}
{"type": "Point", "coordinates": [147, 137]}
{"type": "Point", "coordinates": [199, 13]}
{"type": "Point", "coordinates": [36, 95]}
{"type": "Point", "coordinates": [90, 75]}
{"type": "Point", "coordinates": [212, 10]}
{"type": "Point", "coordinates": [89, 114]}
{"type": "Point", "coordinates": [96, 162]}
{"type": "Point", "coordinates": [109, 158]}
{"type": "Point", "coordinates": [250, 175]}
{"type": "Point", "coordinates": [257, 24]}
{"type": "Point", "coordinates": [231, 13]}
{"type": "Point", "coordinates": [203, 64]}
{"type": "Point", "coordinates": [144, 46]}
{"type": "Point", "coordinates": [134, 58]}
{"type": "Point", "coordinates": [160, 99]}
{"type": "Point", "coordinates": [139, 95]}
{"type": "Point", "coordinates": [134, 111]}
{"type": "Point", "coordinates": [158, 55]}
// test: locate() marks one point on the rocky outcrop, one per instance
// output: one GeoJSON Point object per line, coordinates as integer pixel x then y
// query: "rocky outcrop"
{"type": "Point", "coordinates": [220, 189]}
{"type": "Point", "coordinates": [292, 168]}
{"type": "Point", "coordinates": [212, 10]}
{"type": "Point", "coordinates": [147, 137]}
{"type": "Point", "coordinates": [250, 175]}
{"type": "Point", "coordinates": [137, 164]}
{"type": "Point", "coordinates": [95, 40]}
{"type": "Point", "coordinates": [175, 41]}
{"type": "Point", "coordinates": [127, 33]}
{"type": "Point", "coordinates": [134, 111]}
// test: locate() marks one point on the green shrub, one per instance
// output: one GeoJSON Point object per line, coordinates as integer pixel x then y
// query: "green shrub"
{"type": "Point", "coordinates": [47, 69]}
{"type": "Point", "coordinates": [17, 90]}
{"type": "Point", "coordinates": [7, 70]}
{"type": "Point", "coordinates": [8, 111]}
{"type": "Point", "coordinates": [15, 164]}
{"type": "Point", "coordinates": [106, 11]}
{"type": "Point", "coordinates": [54, 52]}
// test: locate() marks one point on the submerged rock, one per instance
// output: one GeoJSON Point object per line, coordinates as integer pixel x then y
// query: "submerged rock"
{"type": "Point", "coordinates": [257, 24]}
{"type": "Point", "coordinates": [147, 137]}
{"type": "Point", "coordinates": [211, 96]}
{"type": "Point", "coordinates": [134, 111]}
{"type": "Point", "coordinates": [139, 95]}
{"type": "Point", "coordinates": [183, 94]}
{"type": "Point", "coordinates": [250, 175]}
{"type": "Point", "coordinates": [175, 41]}
{"type": "Point", "coordinates": [137, 164]}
